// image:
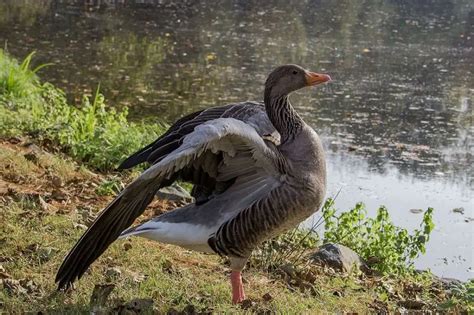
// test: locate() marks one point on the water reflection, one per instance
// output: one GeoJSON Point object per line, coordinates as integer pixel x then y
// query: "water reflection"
{"type": "Point", "coordinates": [401, 98]}
{"type": "Point", "coordinates": [403, 82]}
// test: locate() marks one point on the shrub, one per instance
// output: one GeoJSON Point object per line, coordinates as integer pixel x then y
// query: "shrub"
{"type": "Point", "coordinates": [390, 247]}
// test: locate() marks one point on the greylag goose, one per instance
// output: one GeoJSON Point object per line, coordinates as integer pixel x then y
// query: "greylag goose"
{"type": "Point", "coordinates": [257, 169]}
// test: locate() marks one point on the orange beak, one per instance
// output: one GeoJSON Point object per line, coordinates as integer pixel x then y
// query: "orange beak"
{"type": "Point", "coordinates": [313, 78]}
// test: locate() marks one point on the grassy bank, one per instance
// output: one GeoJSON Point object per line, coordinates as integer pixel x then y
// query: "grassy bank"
{"type": "Point", "coordinates": [92, 133]}
{"type": "Point", "coordinates": [55, 175]}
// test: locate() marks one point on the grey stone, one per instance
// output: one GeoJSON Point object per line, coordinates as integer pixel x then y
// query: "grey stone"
{"type": "Point", "coordinates": [449, 283]}
{"type": "Point", "coordinates": [339, 257]}
{"type": "Point", "coordinates": [99, 297]}
{"type": "Point", "coordinates": [174, 193]}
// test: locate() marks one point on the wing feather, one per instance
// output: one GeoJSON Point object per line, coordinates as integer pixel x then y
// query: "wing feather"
{"type": "Point", "coordinates": [223, 135]}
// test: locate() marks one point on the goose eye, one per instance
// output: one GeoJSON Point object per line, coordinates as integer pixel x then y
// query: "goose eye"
{"type": "Point", "coordinates": [295, 72]}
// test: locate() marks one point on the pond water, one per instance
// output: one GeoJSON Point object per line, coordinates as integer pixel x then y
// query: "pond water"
{"type": "Point", "coordinates": [397, 120]}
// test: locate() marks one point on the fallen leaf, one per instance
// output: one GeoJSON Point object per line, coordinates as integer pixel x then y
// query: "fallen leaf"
{"type": "Point", "coordinates": [267, 297]}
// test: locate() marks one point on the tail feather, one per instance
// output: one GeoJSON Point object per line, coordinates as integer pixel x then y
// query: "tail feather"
{"type": "Point", "coordinates": [119, 215]}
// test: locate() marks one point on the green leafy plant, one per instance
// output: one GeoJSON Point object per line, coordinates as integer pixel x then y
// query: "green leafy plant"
{"type": "Point", "coordinates": [92, 133]}
{"type": "Point", "coordinates": [390, 248]}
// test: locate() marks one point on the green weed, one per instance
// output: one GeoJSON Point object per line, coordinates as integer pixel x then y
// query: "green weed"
{"type": "Point", "coordinates": [92, 133]}
{"type": "Point", "coordinates": [390, 248]}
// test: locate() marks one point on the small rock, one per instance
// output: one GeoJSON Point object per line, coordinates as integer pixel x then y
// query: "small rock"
{"type": "Point", "coordinates": [113, 273]}
{"type": "Point", "coordinates": [416, 210]}
{"type": "Point", "coordinates": [459, 210]}
{"type": "Point", "coordinates": [339, 257]}
{"type": "Point", "coordinates": [174, 193]}
{"type": "Point", "coordinates": [99, 296]}
{"type": "Point", "coordinates": [33, 152]}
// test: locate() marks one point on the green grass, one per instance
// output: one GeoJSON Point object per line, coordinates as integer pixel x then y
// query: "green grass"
{"type": "Point", "coordinates": [99, 136]}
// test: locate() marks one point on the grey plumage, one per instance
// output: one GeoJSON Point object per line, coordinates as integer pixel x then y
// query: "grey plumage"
{"type": "Point", "coordinates": [257, 170]}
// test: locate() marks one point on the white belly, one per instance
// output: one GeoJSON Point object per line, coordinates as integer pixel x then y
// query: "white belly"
{"type": "Point", "coordinates": [189, 236]}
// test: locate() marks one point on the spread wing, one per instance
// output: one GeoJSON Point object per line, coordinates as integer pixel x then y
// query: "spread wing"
{"type": "Point", "coordinates": [205, 148]}
{"type": "Point", "coordinates": [250, 112]}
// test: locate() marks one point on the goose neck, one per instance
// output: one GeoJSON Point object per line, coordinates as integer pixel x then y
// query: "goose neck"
{"type": "Point", "coordinates": [283, 116]}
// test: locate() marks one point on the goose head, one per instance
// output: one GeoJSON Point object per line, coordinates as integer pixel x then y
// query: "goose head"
{"type": "Point", "coordinates": [288, 78]}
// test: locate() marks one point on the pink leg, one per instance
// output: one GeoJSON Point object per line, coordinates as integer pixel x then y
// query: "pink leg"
{"type": "Point", "coordinates": [238, 294]}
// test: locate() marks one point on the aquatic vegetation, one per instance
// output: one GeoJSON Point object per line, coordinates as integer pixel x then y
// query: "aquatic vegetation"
{"type": "Point", "coordinates": [93, 133]}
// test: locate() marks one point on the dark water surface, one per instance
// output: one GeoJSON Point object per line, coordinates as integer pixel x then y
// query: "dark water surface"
{"type": "Point", "coordinates": [397, 121]}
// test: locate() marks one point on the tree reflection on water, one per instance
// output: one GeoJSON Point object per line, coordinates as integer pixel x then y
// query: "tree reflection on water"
{"type": "Point", "coordinates": [403, 83]}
